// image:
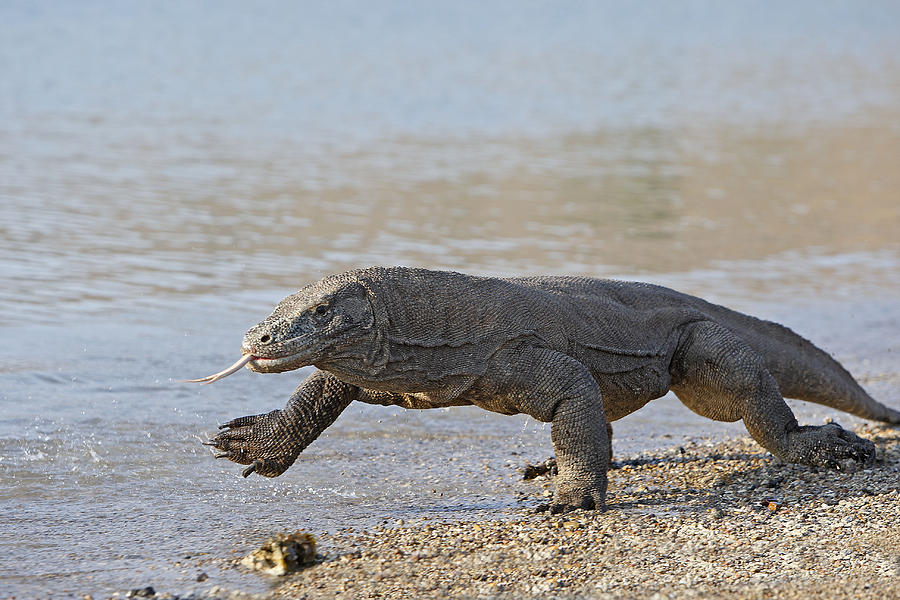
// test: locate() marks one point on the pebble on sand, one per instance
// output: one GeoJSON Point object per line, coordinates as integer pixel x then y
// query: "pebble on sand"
{"type": "Point", "coordinates": [283, 554]}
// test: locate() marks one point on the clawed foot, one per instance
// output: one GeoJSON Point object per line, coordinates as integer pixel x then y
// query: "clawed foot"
{"type": "Point", "coordinates": [828, 445]}
{"type": "Point", "coordinates": [569, 498]}
{"type": "Point", "coordinates": [257, 440]}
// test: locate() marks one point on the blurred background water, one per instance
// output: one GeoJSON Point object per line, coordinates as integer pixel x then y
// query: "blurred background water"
{"type": "Point", "coordinates": [169, 171]}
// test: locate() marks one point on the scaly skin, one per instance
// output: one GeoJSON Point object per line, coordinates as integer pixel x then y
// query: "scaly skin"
{"type": "Point", "coordinates": [575, 352]}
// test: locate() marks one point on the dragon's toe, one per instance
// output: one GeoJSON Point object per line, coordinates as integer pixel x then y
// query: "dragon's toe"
{"type": "Point", "coordinates": [256, 466]}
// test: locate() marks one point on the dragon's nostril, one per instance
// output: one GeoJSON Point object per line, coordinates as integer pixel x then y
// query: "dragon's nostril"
{"type": "Point", "coordinates": [265, 339]}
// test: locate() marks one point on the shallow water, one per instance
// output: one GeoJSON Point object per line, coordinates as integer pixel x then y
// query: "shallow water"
{"type": "Point", "coordinates": [169, 172]}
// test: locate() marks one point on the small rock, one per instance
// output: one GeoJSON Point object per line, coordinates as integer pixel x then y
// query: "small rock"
{"type": "Point", "coordinates": [283, 554]}
{"type": "Point", "coordinates": [202, 577]}
{"type": "Point", "coordinates": [145, 592]}
{"type": "Point", "coordinates": [546, 468]}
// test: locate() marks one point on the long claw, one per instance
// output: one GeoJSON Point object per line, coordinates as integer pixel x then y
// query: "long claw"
{"type": "Point", "coordinates": [225, 373]}
{"type": "Point", "coordinates": [223, 455]}
{"type": "Point", "coordinates": [257, 464]}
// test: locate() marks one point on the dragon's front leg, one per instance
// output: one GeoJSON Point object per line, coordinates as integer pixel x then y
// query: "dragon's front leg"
{"type": "Point", "coordinates": [271, 442]}
{"type": "Point", "coordinates": [555, 388]}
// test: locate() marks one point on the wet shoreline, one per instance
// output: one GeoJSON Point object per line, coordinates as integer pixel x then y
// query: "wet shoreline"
{"type": "Point", "coordinates": [124, 486]}
{"type": "Point", "coordinates": [692, 521]}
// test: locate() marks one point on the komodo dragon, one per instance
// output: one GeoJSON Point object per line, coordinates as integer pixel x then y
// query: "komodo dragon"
{"type": "Point", "coordinates": [571, 351]}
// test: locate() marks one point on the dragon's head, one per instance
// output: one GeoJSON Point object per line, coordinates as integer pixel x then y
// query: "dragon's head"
{"type": "Point", "coordinates": [329, 322]}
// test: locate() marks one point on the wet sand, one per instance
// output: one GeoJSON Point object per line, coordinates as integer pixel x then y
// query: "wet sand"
{"type": "Point", "coordinates": [726, 519]}
{"type": "Point", "coordinates": [693, 521]}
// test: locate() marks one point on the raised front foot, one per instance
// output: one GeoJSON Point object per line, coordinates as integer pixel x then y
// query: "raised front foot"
{"type": "Point", "coordinates": [827, 446]}
{"type": "Point", "coordinates": [261, 441]}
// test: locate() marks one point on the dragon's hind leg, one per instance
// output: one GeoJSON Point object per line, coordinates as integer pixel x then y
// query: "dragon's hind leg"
{"type": "Point", "coordinates": [802, 370]}
{"type": "Point", "coordinates": [718, 375]}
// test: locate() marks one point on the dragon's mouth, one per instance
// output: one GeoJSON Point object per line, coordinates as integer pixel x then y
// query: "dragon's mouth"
{"type": "Point", "coordinates": [267, 364]}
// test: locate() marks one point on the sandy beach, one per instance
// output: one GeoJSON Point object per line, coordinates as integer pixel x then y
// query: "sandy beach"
{"type": "Point", "coordinates": [695, 521]}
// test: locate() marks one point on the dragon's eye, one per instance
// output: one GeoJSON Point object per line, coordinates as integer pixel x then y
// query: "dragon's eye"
{"type": "Point", "coordinates": [321, 309]}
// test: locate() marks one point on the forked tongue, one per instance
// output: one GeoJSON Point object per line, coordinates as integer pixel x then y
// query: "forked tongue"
{"type": "Point", "coordinates": [222, 374]}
